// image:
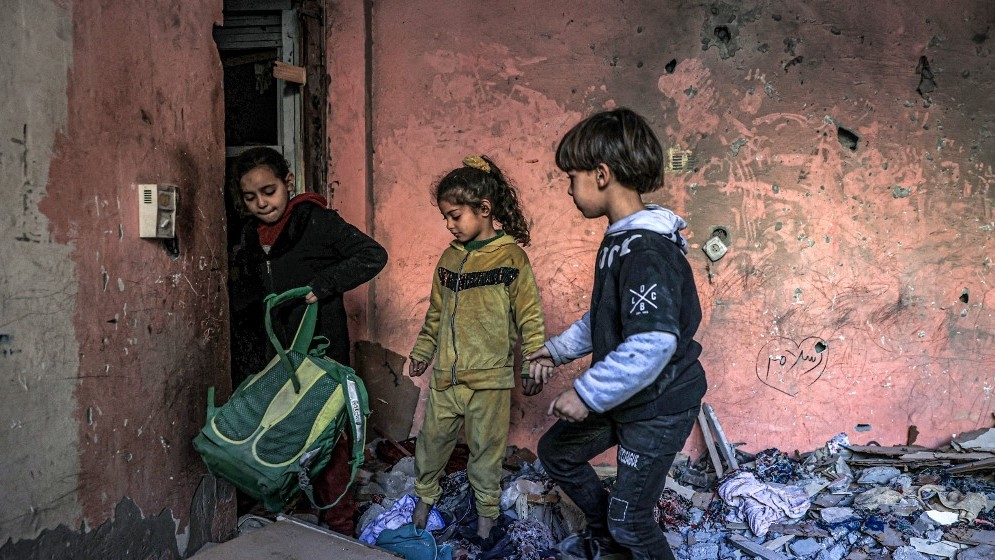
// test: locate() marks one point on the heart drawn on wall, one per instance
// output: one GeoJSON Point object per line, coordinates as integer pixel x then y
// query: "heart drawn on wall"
{"type": "Point", "coordinates": [788, 366]}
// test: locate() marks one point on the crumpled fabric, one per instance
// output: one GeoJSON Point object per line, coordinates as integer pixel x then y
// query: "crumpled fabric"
{"type": "Point", "coordinates": [397, 515]}
{"type": "Point", "coordinates": [966, 506]}
{"type": "Point", "coordinates": [760, 504]}
{"type": "Point", "coordinates": [877, 497]}
{"type": "Point", "coordinates": [672, 510]}
{"type": "Point", "coordinates": [524, 540]}
{"type": "Point", "coordinates": [773, 465]}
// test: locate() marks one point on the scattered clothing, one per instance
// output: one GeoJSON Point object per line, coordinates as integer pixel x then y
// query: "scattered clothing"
{"type": "Point", "coordinates": [397, 515]}
{"type": "Point", "coordinates": [760, 504]}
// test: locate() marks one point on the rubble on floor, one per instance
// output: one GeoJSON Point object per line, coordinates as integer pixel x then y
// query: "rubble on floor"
{"type": "Point", "coordinates": [839, 502]}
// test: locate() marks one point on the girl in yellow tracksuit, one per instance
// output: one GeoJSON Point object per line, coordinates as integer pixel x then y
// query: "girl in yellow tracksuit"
{"type": "Point", "coordinates": [484, 297]}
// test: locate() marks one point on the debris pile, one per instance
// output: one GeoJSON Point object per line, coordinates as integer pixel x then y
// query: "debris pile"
{"type": "Point", "coordinates": [841, 501]}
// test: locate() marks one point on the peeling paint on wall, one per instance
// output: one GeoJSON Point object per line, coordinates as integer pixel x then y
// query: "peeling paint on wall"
{"type": "Point", "coordinates": [858, 210]}
{"type": "Point", "coordinates": [38, 350]}
{"type": "Point", "coordinates": [108, 342]}
{"type": "Point", "coordinates": [128, 534]}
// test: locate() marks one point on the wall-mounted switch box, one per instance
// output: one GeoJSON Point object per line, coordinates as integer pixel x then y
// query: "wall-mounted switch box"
{"type": "Point", "coordinates": [157, 211]}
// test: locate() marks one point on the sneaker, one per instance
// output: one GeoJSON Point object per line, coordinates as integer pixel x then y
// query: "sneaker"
{"type": "Point", "coordinates": [585, 546]}
{"type": "Point", "coordinates": [575, 547]}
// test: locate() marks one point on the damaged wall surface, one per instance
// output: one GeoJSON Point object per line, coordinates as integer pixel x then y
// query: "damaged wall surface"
{"type": "Point", "coordinates": [108, 342]}
{"type": "Point", "coordinates": [841, 151]}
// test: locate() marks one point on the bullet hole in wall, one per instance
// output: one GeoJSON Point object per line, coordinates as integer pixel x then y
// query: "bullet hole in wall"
{"type": "Point", "coordinates": [792, 62]}
{"type": "Point", "coordinates": [821, 347]}
{"type": "Point", "coordinates": [965, 296]}
{"type": "Point", "coordinates": [722, 34]}
{"type": "Point", "coordinates": [172, 247]}
{"type": "Point", "coordinates": [847, 138]}
{"type": "Point", "coordinates": [926, 82]}
{"type": "Point", "coordinates": [671, 66]}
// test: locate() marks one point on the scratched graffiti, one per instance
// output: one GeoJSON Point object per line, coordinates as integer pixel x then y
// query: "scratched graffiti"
{"type": "Point", "coordinates": [790, 366]}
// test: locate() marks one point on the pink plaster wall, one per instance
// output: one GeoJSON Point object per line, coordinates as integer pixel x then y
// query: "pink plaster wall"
{"type": "Point", "coordinates": [144, 106]}
{"type": "Point", "coordinates": [868, 251]}
{"type": "Point", "coordinates": [348, 126]}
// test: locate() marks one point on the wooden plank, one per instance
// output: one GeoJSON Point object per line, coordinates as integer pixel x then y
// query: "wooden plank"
{"type": "Point", "coordinates": [778, 543]}
{"type": "Point", "coordinates": [803, 529]}
{"type": "Point", "coordinates": [984, 464]}
{"type": "Point", "coordinates": [247, 24]}
{"type": "Point", "coordinates": [257, 5]}
{"type": "Point", "coordinates": [967, 535]}
{"type": "Point", "coordinates": [754, 549]}
{"type": "Point", "coordinates": [251, 21]}
{"type": "Point", "coordinates": [895, 450]}
{"type": "Point", "coordinates": [234, 42]}
{"type": "Point", "coordinates": [892, 462]}
{"type": "Point", "coordinates": [289, 73]}
{"type": "Point", "coordinates": [249, 59]}
{"type": "Point", "coordinates": [722, 443]}
{"type": "Point", "coordinates": [713, 455]}
{"type": "Point", "coordinates": [954, 457]}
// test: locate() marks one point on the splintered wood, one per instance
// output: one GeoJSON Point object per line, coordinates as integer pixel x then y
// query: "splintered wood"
{"type": "Point", "coordinates": [719, 449]}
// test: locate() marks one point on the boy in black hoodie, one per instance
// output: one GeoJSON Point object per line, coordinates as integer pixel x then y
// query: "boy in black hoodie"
{"type": "Point", "coordinates": [643, 389]}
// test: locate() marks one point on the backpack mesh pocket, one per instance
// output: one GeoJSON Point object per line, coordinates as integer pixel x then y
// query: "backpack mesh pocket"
{"type": "Point", "coordinates": [240, 418]}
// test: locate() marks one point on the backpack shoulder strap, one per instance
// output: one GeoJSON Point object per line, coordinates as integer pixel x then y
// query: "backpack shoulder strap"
{"type": "Point", "coordinates": [356, 411]}
{"type": "Point", "coordinates": [305, 332]}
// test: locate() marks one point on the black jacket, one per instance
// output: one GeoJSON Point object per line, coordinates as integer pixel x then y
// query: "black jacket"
{"type": "Point", "coordinates": [316, 248]}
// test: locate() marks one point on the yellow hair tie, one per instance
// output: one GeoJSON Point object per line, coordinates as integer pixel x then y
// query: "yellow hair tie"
{"type": "Point", "coordinates": [477, 162]}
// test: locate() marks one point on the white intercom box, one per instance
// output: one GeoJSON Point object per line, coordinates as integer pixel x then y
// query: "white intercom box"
{"type": "Point", "coordinates": [157, 211]}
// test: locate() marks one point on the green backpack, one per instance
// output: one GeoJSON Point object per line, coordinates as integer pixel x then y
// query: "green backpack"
{"type": "Point", "coordinates": [277, 431]}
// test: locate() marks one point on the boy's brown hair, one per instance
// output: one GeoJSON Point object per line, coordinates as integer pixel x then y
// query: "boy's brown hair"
{"type": "Point", "coordinates": [622, 140]}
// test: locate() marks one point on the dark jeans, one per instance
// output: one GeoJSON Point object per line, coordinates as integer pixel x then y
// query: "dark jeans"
{"type": "Point", "coordinates": [646, 450]}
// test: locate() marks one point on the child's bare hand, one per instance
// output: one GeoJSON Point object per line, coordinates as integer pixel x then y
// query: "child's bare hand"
{"type": "Point", "coordinates": [531, 387]}
{"type": "Point", "coordinates": [416, 368]}
{"type": "Point", "coordinates": [540, 365]}
{"type": "Point", "coordinates": [311, 298]}
{"type": "Point", "coordinates": [568, 406]}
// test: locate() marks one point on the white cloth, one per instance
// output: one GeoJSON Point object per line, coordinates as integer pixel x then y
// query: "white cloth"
{"type": "Point", "coordinates": [399, 514]}
{"type": "Point", "coordinates": [762, 504]}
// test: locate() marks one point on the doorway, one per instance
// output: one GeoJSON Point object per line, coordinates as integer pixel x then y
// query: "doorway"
{"type": "Point", "coordinates": [263, 109]}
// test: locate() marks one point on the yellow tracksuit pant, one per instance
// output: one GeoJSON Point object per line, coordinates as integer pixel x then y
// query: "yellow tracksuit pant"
{"type": "Point", "coordinates": [485, 415]}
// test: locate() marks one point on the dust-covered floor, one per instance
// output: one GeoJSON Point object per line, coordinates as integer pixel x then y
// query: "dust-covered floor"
{"type": "Point", "coordinates": [838, 501]}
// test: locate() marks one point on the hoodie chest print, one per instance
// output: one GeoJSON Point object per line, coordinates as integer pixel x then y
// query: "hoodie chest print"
{"type": "Point", "coordinates": [622, 249]}
{"type": "Point", "coordinates": [455, 281]}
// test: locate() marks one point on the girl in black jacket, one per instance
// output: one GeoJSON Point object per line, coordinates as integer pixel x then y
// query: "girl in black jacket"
{"type": "Point", "coordinates": [290, 242]}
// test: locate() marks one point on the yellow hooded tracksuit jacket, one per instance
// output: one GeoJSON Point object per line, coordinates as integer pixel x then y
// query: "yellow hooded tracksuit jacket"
{"type": "Point", "coordinates": [481, 301]}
